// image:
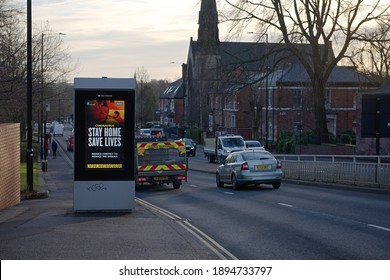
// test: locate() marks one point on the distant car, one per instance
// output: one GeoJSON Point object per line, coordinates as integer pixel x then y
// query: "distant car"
{"type": "Point", "coordinates": [254, 145]}
{"type": "Point", "coordinates": [250, 167]}
{"type": "Point", "coordinates": [190, 146]}
{"type": "Point", "coordinates": [145, 131]}
{"type": "Point", "coordinates": [70, 143]}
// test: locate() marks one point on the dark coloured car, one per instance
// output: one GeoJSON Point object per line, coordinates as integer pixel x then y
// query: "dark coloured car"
{"type": "Point", "coordinates": [190, 146]}
{"type": "Point", "coordinates": [250, 167]}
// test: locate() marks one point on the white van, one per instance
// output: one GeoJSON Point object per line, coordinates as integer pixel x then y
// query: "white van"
{"type": "Point", "coordinates": [58, 129]}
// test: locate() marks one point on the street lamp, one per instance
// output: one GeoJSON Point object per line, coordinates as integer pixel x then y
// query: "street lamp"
{"type": "Point", "coordinates": [43, 131]}
{"type": "Point", "coordinates": [266, 93]}
{"type": "Point", "coordinates": [30, 152]}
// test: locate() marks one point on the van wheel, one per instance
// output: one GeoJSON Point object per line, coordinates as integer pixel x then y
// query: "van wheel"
{"type": "Point", "coordinates": [276, 185]}
{"type": "Point", "coordinates": [176, 184]}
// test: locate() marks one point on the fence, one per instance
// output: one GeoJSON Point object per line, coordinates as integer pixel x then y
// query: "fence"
{"type": "Point", "coordinates": [371, 171]}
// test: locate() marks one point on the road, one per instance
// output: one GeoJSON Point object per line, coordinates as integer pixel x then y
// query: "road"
{"type": "Point", "coordinates": [295, 222]}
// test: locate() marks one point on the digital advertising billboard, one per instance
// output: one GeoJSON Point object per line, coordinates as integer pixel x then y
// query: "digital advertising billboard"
{"type": "Point", "coordinates": [104, 141]}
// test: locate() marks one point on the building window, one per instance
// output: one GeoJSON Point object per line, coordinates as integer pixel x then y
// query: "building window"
{"type": "Point", "coordinates": [211, 122]}
{"type": "Point", "coordinates": [328, 98]}
{"type": "Point", "coordinates": [232, 121]}
{"type": "Point", "coordinates": [332, 123]}
{"type": "Point", "coordinates": [230, 103]}
{"type": "Point", "coordinates": [297, 99]}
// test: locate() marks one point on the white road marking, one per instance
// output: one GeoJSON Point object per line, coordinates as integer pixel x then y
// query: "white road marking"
{"type": "Point", "coordinates": [193, 186]}
{"type": "Point", "coordinates": [284, 204]}
{"type": "Point", "coordinates": [379, 227]}
{"type": "Point", "coordinates": [220, 251]}
{"type": "Point", "coordinates": [229, 193]}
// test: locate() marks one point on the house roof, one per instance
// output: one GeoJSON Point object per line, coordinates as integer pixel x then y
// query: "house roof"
{"type": "Point", "coordinates": [382, 90]}
{"type": "Point", "coordinates": [341, 76]}
{"type": "Point", "coordinates": [252, 56]}
{"type": "Point", "coordinates": [286, 69]}
{"type": "Point", "coordinates": [174, 90]}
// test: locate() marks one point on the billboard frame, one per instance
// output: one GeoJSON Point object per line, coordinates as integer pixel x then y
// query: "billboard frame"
{"type": "Point", "coordinates": [104, 141]}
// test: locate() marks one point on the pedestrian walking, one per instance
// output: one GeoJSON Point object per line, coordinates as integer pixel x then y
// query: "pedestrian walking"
{"type": "Point", "coordinates": [54, 147]}
{"type": "Point", "coordinates": [45, 149]}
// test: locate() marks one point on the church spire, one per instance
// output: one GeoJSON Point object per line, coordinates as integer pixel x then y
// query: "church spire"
{"type": "Point", "coordinates": [208, 34]}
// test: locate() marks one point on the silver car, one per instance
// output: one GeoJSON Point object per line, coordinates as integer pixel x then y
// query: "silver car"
{"type": "Point", "coordinates": [253, 145]}
{"type": "Point", "coordinates": [250, 167]}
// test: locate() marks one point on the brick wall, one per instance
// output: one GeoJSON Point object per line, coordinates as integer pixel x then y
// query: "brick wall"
{"type": "Point", "coordinates": [9, 165]}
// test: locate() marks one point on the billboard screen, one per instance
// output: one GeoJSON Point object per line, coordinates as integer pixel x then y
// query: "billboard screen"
{"type": "Point", "coordinates": [105, 125]}
{"type": "Point", "coordinates": [104, 135]}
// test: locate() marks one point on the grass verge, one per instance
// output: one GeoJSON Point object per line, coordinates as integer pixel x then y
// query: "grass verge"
{"type": "Point", "coordinates": [23, 176]}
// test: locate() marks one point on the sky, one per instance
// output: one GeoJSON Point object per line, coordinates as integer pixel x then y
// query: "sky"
{"type": "Point", "coordinates": [113, 38]}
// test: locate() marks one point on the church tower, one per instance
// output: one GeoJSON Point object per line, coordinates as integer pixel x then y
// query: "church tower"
{"type": "Point", "coordinates": [204, 66]}
{"type": "Point", "coordinates": [208, 33]}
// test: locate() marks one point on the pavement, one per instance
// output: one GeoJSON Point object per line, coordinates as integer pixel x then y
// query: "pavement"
{"type": "Point", "coordinates": [48, 228]}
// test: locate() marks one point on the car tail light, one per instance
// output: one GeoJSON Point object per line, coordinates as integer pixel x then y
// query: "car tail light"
{"type": "Point", "coordinates": [245, 166]}
{"type": "Point", "coordinates": [279, 164]}
{"type": "Point", "coordinates": [180, 178]}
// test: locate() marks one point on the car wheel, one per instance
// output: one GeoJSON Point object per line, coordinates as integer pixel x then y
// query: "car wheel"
{"type": "Point", "coordinates": [235, 185]}
{"type": "Point", "coordinates": [276, 185]}
{"type": "Point", "coordinates": [219, 183]}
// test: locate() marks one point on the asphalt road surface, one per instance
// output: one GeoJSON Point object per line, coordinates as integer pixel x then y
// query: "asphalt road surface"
{"type": "Point", "coordinates": [295, 222]}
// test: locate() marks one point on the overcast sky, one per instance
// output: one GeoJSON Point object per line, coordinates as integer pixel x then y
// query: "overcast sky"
{"type": "Point", "coordinates": [113, 37]}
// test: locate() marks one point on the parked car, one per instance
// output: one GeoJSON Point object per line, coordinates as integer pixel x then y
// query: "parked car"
{"type": "Point", "coordinates": [145, 131]}
{"type": "Point", "coordinates": [70, 143]}
{"type": "Point", "coordinates": [250, 167]}
{"type": "Point", "coordinates": [190, 146]}
{"type": "Point", "coordinates": [254, 145]}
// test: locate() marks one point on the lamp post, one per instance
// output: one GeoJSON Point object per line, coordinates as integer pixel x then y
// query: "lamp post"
{"type": "Point", "coordinates": [266, 94]}
{"type": "Point", "coordinates": [30, 152]}
{"type": "Point", "coordinates": [43, 131]}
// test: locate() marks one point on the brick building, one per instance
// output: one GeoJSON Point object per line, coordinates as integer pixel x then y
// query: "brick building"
{"type": "Point", "coordinates": [258, 89]}
{"type": "Point", "coordinates": [172, 105]}
{"type": "Point", "coordinates": [284, 103]}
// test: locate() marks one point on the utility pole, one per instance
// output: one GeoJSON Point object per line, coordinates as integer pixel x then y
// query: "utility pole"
{"type": "Point", "coordinates": [30, 152]}
{"type": "Point", "coordinates": [266, 94]}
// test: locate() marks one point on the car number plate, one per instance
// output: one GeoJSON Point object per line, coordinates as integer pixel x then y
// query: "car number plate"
{"type": "Point", "coordinates": [263, 167]}
{"type": "Point", "coordinates": [161, 178]}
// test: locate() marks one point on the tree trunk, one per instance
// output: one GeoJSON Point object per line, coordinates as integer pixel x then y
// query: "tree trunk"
{"type": "Point", "coordinates": [321, 127]}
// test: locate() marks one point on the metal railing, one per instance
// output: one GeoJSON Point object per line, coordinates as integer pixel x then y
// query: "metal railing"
{"type": "Point", "coordinates": [370, 171]}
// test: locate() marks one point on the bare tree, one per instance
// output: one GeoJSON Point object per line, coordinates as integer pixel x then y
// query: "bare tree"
{"type": "Point", "coordinates": [12, 66]}
{"type": "Point", "coordinates": [148, 92]}
{"type": "Point", "coordinates": [47, 51]}
{"type": "Point", "coordinates": [371, 55]}
{"type": "Point", "coordinates": [317, 23]}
